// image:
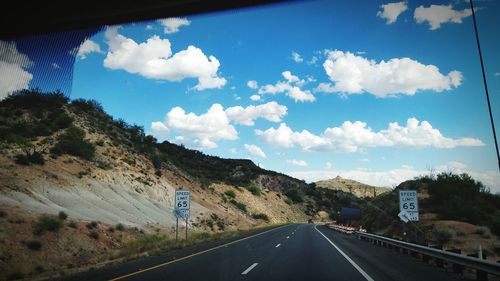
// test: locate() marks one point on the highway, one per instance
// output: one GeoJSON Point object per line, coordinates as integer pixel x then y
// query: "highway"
{"type": "Point", "coordinates": [291, 252]}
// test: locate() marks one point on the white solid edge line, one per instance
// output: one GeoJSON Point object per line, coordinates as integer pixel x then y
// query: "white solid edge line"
{"type": "Point", "coordinates": [287, 237]}
{"type": "Point", "coordinates": [250, 268]}
{"type": "Point", "coordinates": [367, 277]}
{"type": "Point", "coordinates": [277, 246]}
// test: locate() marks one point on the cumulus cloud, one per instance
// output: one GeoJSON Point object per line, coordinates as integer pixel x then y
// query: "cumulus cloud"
{"type": "Point", "coordinates": [160, 131]}
{"type": "Point", "coordinates": [13, 65]}
{"type": "Point", "coordinates": [205, 130]}
{"type": "Point", "coordinates": [271, 111]}
{"type": "Point", "coordinates": [255, 150]}
{"type": "Point", "coordinates": [172, 25]}
{"type": "Point", "coordinates": [391, 11]}
{"type": "Point", "coordinates": [87, 47]}
{"type": "Point", "coordinates": [352, 74]}
{"type": "Point", "coordinates": [295, 162]}
{"type": "Point", "coordinates": [291, 87]}
{"type": "Point", "coordinates": [393, 177]}
{"type": "Point", "coordinates": [328, 165]}
{"type": "Point", "coordinates": [297, 57]}
{"type": "Point", "coordinates": [436, 15]}
{"type": "Point", "coordinates": [255, 97]}
{"type": "Point", "coordinates": [153, 59]}
{"type": "Point", "coordinates": [252, 84]}
{"type": "Point", "coordinates": [357, 136]}
{"type": "Point", "coordinates": [200, 131]}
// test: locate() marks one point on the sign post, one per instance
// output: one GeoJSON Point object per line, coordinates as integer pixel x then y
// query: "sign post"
{"type": "Point", "coordinates": [182, 209]}
{"type": "Point", "coordinates": [408, 205]}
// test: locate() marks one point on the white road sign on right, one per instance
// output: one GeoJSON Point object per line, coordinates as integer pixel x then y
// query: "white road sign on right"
{"type": "Point", "coordinates": [408, 203]}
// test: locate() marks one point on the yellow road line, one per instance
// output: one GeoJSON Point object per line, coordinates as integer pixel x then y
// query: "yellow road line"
{"type": "Point", "coordinates": [190, 256]}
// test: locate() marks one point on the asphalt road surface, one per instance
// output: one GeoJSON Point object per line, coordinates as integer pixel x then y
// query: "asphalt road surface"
{"type": "Point", "coordinates": [292, 252]}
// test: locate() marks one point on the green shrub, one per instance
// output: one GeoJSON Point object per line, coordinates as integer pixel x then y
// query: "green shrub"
{"type": "Point", "coordinates": [104, 165]}
{"type": "Point", "coordinates": [47, 223]}
{"type": "Point", "coordinates": [34, 245]}
{"type": "Point", "coordinates": [22, 159]}
{"type": "Point", "coordinates": [295, 195]}
{"type": "Point", "coordinates": [72, 142]}
{"type": "Point", "coordinates": [239, 205]}
{"type": "Point", "coordinates": [3, 214]}
{"type": "Point", "coordinates": [120, 227]}
{"type": "Point", "coordinates": [445, 235]}
{"type": "Point", "coordinates": [91, 225]}
{"type": "Point", "coordinates": [254, 189]}
{"type": "Point", "coordinates": [230, 193]}
{"type": "Point", "coordinates": [62, 215]}
{"type": "Point", "coordinates": [72, 224]}
{"type": "Point", "coordinates": [94, 235]}
{"type": "Point", "coordinates": [260, 216]}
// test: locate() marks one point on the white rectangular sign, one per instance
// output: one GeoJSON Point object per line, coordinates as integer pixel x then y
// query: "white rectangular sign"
{"type": "Point", "coordinates": [182, 203]}
{"type": "Point", "coordinates": [408, 204]}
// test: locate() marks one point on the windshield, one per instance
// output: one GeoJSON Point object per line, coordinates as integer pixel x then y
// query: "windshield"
{"type": "Point", "coordinates": [269, 142]}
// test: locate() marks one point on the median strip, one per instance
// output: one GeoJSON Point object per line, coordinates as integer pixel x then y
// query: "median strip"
{"type": "Point", "coordinates": [248, 269]}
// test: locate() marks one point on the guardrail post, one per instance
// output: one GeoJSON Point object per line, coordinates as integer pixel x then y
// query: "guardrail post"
{"type": "Point", "coordinates": [425, 258]}
{"type": "Point", "coordinates": [457, 268]}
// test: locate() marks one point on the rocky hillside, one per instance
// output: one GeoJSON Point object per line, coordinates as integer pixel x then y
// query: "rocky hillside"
{"type": "Point", "coordinates": [71, 158]}
{"type": "Point", "coordinates": [455, 212]}
{"type": "Point", "coordinates": [356, 188]}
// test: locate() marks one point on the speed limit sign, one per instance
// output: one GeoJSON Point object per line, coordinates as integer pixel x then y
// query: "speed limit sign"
{"type": "Point", "coordinates": [182, 198]}
{"type": "Point", "coordinates": [408, 204]}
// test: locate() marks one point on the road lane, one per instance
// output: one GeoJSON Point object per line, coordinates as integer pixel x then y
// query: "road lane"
{"type": "Point", "coordinates": [385, 264]}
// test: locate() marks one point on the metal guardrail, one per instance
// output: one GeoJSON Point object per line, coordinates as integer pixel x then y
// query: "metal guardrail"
{"type": "Point", "coordinates": [481, 266]}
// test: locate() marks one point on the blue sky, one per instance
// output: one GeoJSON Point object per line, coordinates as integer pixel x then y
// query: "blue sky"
{"type": "Point", "coordinates": [372, 91]}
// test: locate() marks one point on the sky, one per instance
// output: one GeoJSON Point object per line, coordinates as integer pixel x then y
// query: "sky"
{"type": "Point", "coordinates": [375, 91]}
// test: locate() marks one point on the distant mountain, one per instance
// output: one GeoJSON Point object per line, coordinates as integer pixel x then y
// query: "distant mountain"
{"type": "Point", "coordinates": [354, 187]}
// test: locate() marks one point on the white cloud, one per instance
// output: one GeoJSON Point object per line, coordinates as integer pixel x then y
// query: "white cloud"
{"type": "Point", "coordinates": [313, 60]}
{"type": "Point", "coordinates": [391, 11]}
{"type": "Point", "coordinates": [153, 59]}
{"type": "Point", "coordinates": [200, 131]}
{"type": "Point", "coordinates": [271, 111]}
{"type": "Point", "coordinates": [328, 165]}
{"type": "Point", "coordinates": [364, 160]}
{"type": "Point", "coordinates": [436, 15]}
{"type": "Point", "coordinates": [354, 74]}
{"type": "Point", "coordinates": [393, 177]}
{"type": "Point", "coordinates": [255, 150]}
{"type": "Point", "coordinates": [149, 27]}
{"type": "Point", "coordinates": [160, 131]}
{"type": "Point", "coordinates": [252, 84]}
{"type": "Point", "coordinates": [13, 76]}
{"type": "Point", "coordinates": [357, 136]}
{"type": "Point", "coordinates": [295, 162]}
{"type": "Point", "coordinates": [233, 151]}
{"type": "Point", "coordinates": [172, 25]}
{"type": "Point", "coordinates": [255, 97]}
{"type": "Point", "coordinates": [297, 57]}
{"type": "Point", "coordinates": [55, 65]}
{"type": "Point", "coordinates": [87, 47]}
{"type": "Point", "coordinates": [291, 87]}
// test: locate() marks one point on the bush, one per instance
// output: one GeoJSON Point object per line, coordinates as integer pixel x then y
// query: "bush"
{"type": "Point", "coordinates": [91, 225]}
{"type": "Point", "coordinates": [22, 159]}
{"type": "Point", "coordinates": [230, 194]}
{"type": "Point", "coordinates": [295, 195]}
{"type": "Point", "coordinates": [104, 165]}
{"type": "Point", "coordinates": [30, 157]}
{"type": "Point", "coordinates": [47, 223]}
{"type": "Point", "coordinates": [239, 205]}
{"type": "Point", "coordinates": [72, 142]}
{"type": "Point", "coordinates": [120, 227]}
{"type": "Point", "coordinates": [94, 235]}
{"type": "Point", "coordinates": [445, 235]}
{"type": "Point", "coordinates": [254, 189]}
{"type": "Point", "coordinates": [260, 216]}
{"type": "Point", "coordinates": [62, 215]}
{"type": "Point", "coordinates": [3, 214]}
{"type": "Point", "coordinates": [72, 224]}
{"type": "Point", "coordinates": [34, 245]}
